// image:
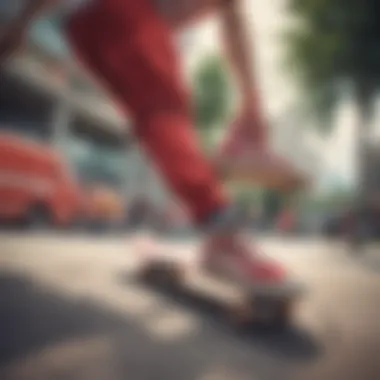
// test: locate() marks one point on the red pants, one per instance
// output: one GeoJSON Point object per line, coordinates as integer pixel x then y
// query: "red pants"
{"type": "Point", "coordinates": [129, 49]}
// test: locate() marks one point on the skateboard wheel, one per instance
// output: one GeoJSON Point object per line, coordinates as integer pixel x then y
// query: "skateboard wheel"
{"type": "Point", "coordinates": [276, 313]}
{"type": "Point", "coordinates": [241, 314]}
{"type": "Point", "coordinates": [283, 313]}
{"type": "Point", "coordinates": [176, 273]}
{"type": "Point", "coordinates": [162, 272]}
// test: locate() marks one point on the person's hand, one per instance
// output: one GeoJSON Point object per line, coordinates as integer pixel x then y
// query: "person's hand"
{"type": "Point", "coordinates": [11, 39]}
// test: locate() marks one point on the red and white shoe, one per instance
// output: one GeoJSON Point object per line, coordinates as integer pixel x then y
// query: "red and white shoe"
{"type": "Point", "coordinates": [231, 258]}
{"type": "Point", "coordinates": [242, 158]}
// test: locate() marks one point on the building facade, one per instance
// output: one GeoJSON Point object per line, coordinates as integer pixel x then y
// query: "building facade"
{"type": "Point", "coordinates": [44, 95]}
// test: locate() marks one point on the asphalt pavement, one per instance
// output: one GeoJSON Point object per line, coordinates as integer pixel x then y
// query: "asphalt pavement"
{"type": "Point", "coordinates": [70, 311]}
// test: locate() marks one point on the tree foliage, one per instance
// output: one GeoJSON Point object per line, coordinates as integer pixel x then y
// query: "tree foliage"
{"type": "Point", "coordinates": [335, 45]}
{"type": "Point", "coordinates": [273, 202]}
{"type": "Point", "coordinates": [211, 91]}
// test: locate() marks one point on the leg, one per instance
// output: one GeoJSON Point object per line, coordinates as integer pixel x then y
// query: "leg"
{"type": "Point", "coordinates": [140, 69]}
{"type": "Point", "coordinates": [179, 13]}
{"type": "Point", "coordinates": [142, 73]}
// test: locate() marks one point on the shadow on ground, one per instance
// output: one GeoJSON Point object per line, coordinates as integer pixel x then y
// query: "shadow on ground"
{"type": "Point", "coordinates": [45, 336]}
{"type": "Point", "coordinates": [369, 262]}
{"type": "Point", "coordinates": [290, 343]}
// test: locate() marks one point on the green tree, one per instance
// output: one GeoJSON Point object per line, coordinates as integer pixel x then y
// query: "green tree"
{"type": "Point", "coordinates": [212, 99]}
{"type": "Point", "coordinates": [273, 203]}
{"type": "Point", "coordinates": [335, 47]}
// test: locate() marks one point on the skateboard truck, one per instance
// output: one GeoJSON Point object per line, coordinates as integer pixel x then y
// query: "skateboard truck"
{"type": "Point", "coordinates": [264, 305]}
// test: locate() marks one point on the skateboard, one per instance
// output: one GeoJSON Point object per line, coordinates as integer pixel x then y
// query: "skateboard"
{"type": "Point", "coordinates": [269, 305]}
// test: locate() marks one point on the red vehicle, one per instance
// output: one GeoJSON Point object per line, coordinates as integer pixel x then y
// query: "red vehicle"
{"type": "Point", "coordinates": [36, 185]}
{"type": "Point", "coordinates": [105, 206]}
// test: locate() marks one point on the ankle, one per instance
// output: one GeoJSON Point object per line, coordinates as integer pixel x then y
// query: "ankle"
{"type": "Point", "coordinates": [221, 224]}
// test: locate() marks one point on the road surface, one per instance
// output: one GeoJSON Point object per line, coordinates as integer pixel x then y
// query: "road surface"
{"type": "Point", "coordinates": [67, 312]}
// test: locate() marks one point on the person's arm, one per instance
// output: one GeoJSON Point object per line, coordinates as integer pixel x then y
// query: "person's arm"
{"type": "Point", "coordinates": [238, 48]}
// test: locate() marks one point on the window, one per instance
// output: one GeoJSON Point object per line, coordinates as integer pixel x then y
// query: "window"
{"type": "Point", "coordinates": [28, 130]}
{"type": "Point", "coordinates": [94, 162]}
{"type": "Point", "coordinates": [15, 121]}
{"type": "Point", "coordinates": [47, 33]}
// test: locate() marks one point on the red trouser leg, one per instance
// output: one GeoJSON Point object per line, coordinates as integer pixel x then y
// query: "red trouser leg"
{"type": "Point", "coordinates": [136, 61]}
{"type": "Point", "coordinates": [170, 140]}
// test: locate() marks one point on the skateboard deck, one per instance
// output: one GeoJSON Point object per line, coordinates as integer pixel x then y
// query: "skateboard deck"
{"type": "Point", "coordinates": [271, 305]}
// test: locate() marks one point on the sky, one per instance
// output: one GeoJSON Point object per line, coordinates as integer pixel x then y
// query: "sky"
{"type": "Point", "coordinates": [266, 19]}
